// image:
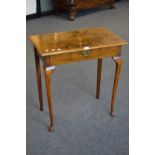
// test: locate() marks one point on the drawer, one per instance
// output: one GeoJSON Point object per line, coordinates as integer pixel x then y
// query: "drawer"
{"type": "Point", "coordinates": [89, 54]}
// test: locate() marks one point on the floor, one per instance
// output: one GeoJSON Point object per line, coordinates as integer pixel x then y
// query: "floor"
{"type": "Point", "coordinates": [83, 125]}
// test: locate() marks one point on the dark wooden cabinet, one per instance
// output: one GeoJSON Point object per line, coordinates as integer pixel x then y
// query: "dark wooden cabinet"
{"type": "Point", "coordinates": [73, 6]}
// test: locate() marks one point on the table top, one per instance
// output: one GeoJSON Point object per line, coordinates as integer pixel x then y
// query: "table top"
{"type": "Point", "coordinates": [73, 41]}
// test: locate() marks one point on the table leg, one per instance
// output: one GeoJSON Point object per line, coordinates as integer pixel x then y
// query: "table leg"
{"type": "Point", "coordinates": [38, 74]}
{"type": "Point", "coordinates": [99, 72]}
{"type": "Point", "coordinates": [48, 72]}
{"type": "Point", "coordinates": [118, 62]}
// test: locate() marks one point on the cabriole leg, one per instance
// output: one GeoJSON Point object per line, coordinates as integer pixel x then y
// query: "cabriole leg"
{"type": "Point", "coordinates": [118, 61]}
{"type": "Point", "coordinates": [48, 72]}
{"type": "Point", "coordinates": [99, 72]}
{"type": "Point", "coordinates": [38, 74]}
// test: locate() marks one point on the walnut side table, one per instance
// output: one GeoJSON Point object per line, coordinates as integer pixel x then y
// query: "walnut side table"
{"type": "Point", "coordinates": [79, 45]}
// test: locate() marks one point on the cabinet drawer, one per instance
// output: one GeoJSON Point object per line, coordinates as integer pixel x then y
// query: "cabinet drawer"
{"type": "Point", "coordinates": [88, 54]}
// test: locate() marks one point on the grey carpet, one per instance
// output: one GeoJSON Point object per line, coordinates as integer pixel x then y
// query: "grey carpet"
{"type": "Point", "coordinates": [83, 125]}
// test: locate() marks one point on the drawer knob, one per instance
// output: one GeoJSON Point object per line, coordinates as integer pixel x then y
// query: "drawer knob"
{"type": "Point", "coordinates": [85, 53]}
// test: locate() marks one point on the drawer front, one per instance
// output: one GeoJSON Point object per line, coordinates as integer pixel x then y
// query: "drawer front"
{"type": "Point", "coordinates": [84, 55]}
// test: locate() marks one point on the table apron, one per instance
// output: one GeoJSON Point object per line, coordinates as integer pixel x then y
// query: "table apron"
{"type": "Point", "coordinates": [66, 58]}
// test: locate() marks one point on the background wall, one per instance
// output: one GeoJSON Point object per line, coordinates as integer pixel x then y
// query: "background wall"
{"type": "Point", "coordinates": [46, 5]}
{"type": "Point", "coordinates": [30, 7]}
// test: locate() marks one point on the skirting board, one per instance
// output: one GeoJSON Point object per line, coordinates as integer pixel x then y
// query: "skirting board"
{"type": "Point", "coordinates": [35, 15]}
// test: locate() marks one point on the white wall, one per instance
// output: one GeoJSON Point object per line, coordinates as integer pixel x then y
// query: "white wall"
{"type": "Point", "coordinates": [30, 7]}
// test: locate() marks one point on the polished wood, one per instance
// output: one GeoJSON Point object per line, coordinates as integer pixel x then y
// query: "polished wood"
{"type": "Point", "coordinates": [118, 61]}
{"type": "Point", "coordinates": [38, 74]}
{"type": "Point", "coordinates": [67, 47]}
{"type": "Point", "coordinates": [99, 72]}
{"type": "Point", "coordinates": [79, 45]}
{"type": "Point", "coordinates": [75, 41]}
{"type": "Point", "coordinates": [66, 58]}
{"type": "Point", "coordinates": [47, 74]}
{"type": "Point", "coordinates": [73, 6]}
